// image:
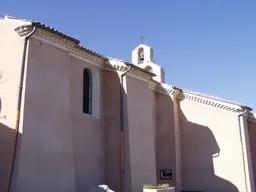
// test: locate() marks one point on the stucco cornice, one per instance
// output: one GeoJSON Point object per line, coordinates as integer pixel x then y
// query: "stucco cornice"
{"type": "Point", "coordinates": [75, 51]}
{"type": "Point", "coordinates": [121, 66]}
{"type": "Point", "coordinates": [62, 43]}
{"type": "Point", "coordinates": [139, 74]}
{"type": "Point", "coordinates": [70, 46]}
{"type": "Point", "coordinates": [212, 102]}
{"type": "Point", "coordinates": [178, 93]}
{"type": "Point", "coordinates": [24, 30]}
{"type": "Point", "coordinates": [116, 65]}
{"type": "Point", "coordinates": [197, 98]}
{"type": "Point", "coordinates": [54, 38]}
{"type": "Point", "coordinates": [83, 53]}
{"type": "Point", "coordinates": [165, 89]}
{"type": "Point", "coordinates": [153, 84]}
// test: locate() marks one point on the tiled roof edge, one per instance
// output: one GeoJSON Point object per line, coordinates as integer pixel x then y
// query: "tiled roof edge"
{"type": "Point", "coordinates": [204, 99]}
{"type": "Point", "coordinates": [57, 32]}
{"type": "Point", "coordinates": [53, 30]}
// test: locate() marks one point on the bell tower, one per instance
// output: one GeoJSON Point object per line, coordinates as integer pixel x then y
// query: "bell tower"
{"type": "Point", "coordinates": [143, 57]}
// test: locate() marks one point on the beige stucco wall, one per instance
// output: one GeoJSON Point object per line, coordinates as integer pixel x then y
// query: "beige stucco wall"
{"type": "Point", "coordinates": [252, 139]}
{"type": "Point", "coordinates": [165, 138]}
{"type": "Point", "coordinates": [88, 133]}
{"type": "Point", "coordinates": [61, 148]}
{"type": "Point", "coordinates": [140, 102]}
{"type": "Point", "coordinates": [211, 149]}
{"type": "Point", "coordinates": [11, 48]}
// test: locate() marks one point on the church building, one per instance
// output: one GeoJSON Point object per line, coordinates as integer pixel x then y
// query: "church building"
{"type": "Point", "coordinates": [72, 119]}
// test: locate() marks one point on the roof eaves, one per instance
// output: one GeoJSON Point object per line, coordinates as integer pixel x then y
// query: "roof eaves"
{"type": "Point", "coordinates": [52, 30]}
{"type": "Point", "coordinates": [92, 52]}
{"type": "Point", "coordinates": [218, 99]}
{"type": "Point", "coordinates": [45, 27]}
{"type": "Point", "coordinates": [57, 32]}
{"type": "Point", "coordinates": [141, 69]}
{"type": "Point", "coordinates": [133, 66]}
{"type": "Point", "coordinates": [206, 99]}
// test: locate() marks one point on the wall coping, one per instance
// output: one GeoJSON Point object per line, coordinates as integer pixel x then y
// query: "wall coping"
{"type": "Point", "coordinates": [203, 99]}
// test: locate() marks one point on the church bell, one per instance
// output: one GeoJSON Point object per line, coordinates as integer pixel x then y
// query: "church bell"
{"type": "Point", "coordinates": [142, 56]}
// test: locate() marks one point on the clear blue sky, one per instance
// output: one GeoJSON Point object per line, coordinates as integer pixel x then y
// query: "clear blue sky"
{"type": "Point", "coordinates": [207, 46]}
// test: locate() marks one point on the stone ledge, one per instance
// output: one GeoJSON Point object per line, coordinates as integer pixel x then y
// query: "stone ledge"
{"type": "Point", "coordinates": [171, 189]}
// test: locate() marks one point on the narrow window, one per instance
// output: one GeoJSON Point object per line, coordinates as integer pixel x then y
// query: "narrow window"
{"type": "Point", "coordinates": [141, 55]}
{"type": "Point", "coordinates": [87, 92]}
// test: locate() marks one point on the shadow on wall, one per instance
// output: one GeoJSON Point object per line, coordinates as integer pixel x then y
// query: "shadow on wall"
{"type": "Point", "coordinates": [6, 148]}
{"type": "Point", "coordinates": [199, 147]}
{"type": "Point", "coordinates": [164, 137]}
{"type": "Point", "coordinates": [112, 130]}
{"type": "Point", "coordinates": [252, 139]}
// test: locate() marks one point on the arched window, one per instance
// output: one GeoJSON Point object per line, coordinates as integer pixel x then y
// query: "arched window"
{"type": "Point", "coordinates": [151, 55]}
{"type": "Point", "coordinates": [141, 55]}
{"type": "Point", "coordinates": [87, 92]}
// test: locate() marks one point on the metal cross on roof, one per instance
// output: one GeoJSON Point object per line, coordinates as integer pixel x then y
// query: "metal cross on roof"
{"type": "Point", "coordinates": [142, 39]}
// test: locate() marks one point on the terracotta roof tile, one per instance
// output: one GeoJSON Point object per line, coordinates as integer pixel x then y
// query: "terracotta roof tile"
{"type": "Point", "coordinates": [53, 30]}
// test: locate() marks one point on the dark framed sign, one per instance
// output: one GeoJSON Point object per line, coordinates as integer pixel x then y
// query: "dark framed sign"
{"type": "Point", "coordinates": [166, 174]}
